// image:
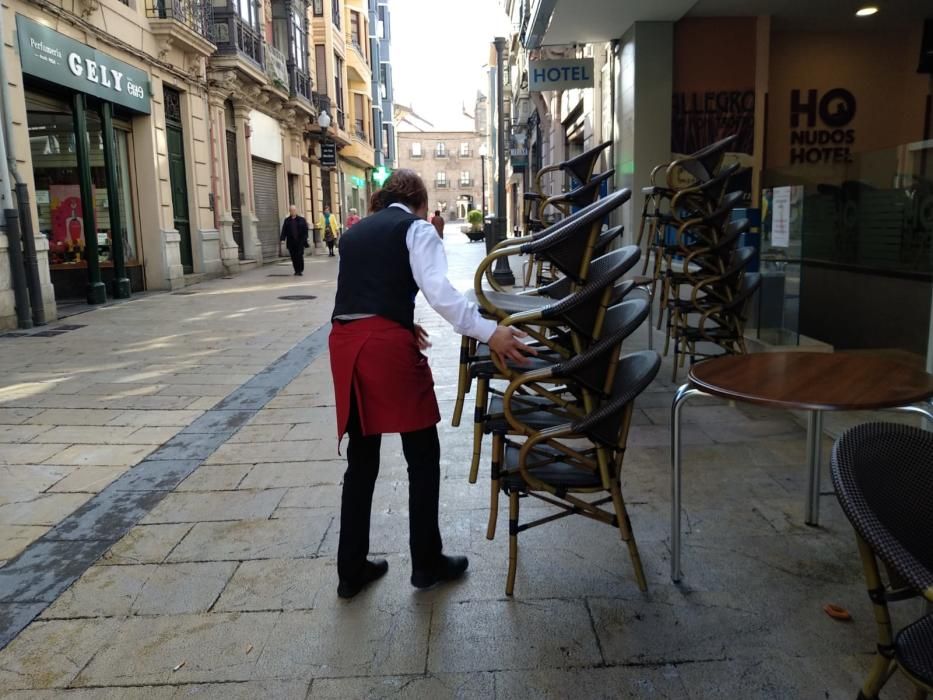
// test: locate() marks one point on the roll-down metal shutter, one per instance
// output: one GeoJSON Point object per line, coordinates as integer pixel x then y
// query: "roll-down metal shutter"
{"type": "Point", "coordinates": [267, 207]}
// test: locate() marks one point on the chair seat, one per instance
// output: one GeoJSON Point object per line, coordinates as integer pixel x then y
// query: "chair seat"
{"type": "Point", "coordinates": [556, 473]}
{"type": "Point", "coordinates": [913, 649]}
{"type": "Point", "coordinates": [487, 368]}
{"type": "Point", "coordinates": [512, 303]}
{"type": "Point", "coordinates": [536, 419]}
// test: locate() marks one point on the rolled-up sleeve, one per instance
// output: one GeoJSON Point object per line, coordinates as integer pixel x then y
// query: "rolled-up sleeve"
{"type": "Point", "coordinates": [429, 267]}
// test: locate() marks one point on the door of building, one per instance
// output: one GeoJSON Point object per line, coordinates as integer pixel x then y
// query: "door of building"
{"type": "Point", "coordinates": [234, 175]}
{"type": "Point", "coordinates": [179, 183]}
{"type": "Point", "coordinates": [178, 176]}
{"type": "Point", "coordinates": [267, 207]}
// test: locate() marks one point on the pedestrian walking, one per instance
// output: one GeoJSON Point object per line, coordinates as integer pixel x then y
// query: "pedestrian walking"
{"type": "Point", "coordinates": [331, 227]}
{"type": "Point", "coordinates": [295, 235]}
{"type": "Point", "coordinates": [354, 218]}
{"type": "Point", "coordinates": [438, 222]}
{"type": "Point", "coordinates": [382, 381]}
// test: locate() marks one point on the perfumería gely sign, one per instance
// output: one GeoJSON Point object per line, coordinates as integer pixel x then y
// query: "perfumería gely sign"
{"type": "Point", "coordinates": [47, 54]}
{"type": "Point", "coordinates": [560, 74]}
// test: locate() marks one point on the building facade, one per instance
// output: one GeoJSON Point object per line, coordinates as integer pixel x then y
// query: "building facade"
{"type": "Point", "coordinates": [383, 89]}
{"type": "Point", "coordinates": [832, 111]}
{"type": "Point", "coordinates": [449, 163]}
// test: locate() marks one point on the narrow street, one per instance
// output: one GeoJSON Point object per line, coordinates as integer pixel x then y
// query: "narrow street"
{"type": "Point", "coordinates": [201, 424]}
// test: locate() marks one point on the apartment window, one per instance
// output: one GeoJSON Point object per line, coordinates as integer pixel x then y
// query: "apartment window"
{"type": "Point", "coordinates": [465, 178]}
{"type": "Point", "coordinates": [416, 149]}
{"type": "Point", "coordinates": [385, 140]}
{"type": "Point", "coordinates": [300, 39]}
{"type": "Point", "coordinates": [464, 150]}
{"type": "Point", "coordinates": [248, 12]}
{"type": "Point", "coordinates": [318, 8]}
{"type": "Point", "coordinates": [359, 113]}
{"type": "Point", "coordinates": [355, 30]}
{"type": "Point", "coordinates": [320, 67]}
{"type": "Point", "coordinates": [381, 23]}
{"type": "Point", "coordinates": [441, 179]}
{"type": "Point", "coordinates": [338, 86]}
{"type": "Point", "coordinates": [335, 7]}
{"type": "Point", "coordinates": [440, 151]}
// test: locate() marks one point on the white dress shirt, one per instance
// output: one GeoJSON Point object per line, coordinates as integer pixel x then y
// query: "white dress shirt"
{"type": "Point", "coordinates": [429, 267]}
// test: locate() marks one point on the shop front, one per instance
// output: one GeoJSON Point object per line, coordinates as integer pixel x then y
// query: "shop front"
{"type": "Point", "coordinates": [81, 104]}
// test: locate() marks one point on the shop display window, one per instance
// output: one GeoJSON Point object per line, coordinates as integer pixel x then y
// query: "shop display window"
{"type": "Point", "coordinates": [58, 195]}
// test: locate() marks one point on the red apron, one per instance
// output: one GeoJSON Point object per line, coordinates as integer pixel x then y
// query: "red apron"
{"type": "Point", "coordinates": [380, 361]}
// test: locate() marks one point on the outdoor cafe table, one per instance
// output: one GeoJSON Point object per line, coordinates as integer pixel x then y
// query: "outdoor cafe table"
{"type": "Point", "coordinates": [809, 381]}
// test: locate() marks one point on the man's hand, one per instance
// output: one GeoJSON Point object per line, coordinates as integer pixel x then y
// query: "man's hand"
{"type": "Point", "coordinates": [421, 336]}
{"type": "Point", "coordinates": [506, 344]}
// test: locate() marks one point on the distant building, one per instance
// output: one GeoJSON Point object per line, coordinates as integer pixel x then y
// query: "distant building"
{"type": "Point", "coordinates": [450, 164]}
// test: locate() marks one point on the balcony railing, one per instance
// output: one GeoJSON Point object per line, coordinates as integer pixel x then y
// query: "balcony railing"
{"type": "Point", "coordinates": [419, 155]}
{"type": "Point", "coordinates": [441, 154]}
{"type": "Point", "coordinates": [276, 67]}
{"type": "Point", "coordinates": [441, 184]}
{"type": "Point", "coordinates": [321, 102]}
{"type": "Point", "coordinates": [300, 83]}
{"type": "Point", "coordinates": [197, 15]}
{"type": "Point", "coordinates": [233, 35]}
{"type": "Point", "coordinates": [466, 183]}
{"type": "Point", "coordinates": [361, 130]}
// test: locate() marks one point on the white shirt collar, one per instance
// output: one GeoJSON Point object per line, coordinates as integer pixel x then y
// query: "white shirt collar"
{"type": "Point", "coordinates": [405, 207]}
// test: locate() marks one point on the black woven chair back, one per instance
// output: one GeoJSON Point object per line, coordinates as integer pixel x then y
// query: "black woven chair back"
{"type": "Point", "coordinates": [581, 167]}
{"type": "Point", "coordinates": [589, 369]}
{"type": "Point", "coordinates": [633, 375]}
{"type": "Point", "coordinates": [581, 309]}
{"type": "Point", "coordinates": [705, 163]}
{"type": "Point", "coordinates": [883, 474]}
{"type": "Point", "coordinates": [708, 195]}
{"type": "Point", "coordinates": [570, 245]}
{"type": "Point", "coordinates": [580, 197]}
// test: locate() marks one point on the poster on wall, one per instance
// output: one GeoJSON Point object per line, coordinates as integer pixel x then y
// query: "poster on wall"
{"type": "Point", "coordinates": [702, 118]}
{"type": "Point", "coordinates": [780, 217]}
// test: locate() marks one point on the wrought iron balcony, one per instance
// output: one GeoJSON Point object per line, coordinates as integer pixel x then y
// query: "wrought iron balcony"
{"type": "Point", "coordinates": [321, 102]}
{"type": "Point", "coordinates": [361, 131]}
{"type": "Point", "coordinates": [441, 184]}
{"type": "Point", "coordinates": [299, 83]}
{"type": "Point", "coordinates": [197, 15]}
{"type": "Point", "coordinates": [233, 35]}
{"type": "Point", "coordinates": [466, 183]}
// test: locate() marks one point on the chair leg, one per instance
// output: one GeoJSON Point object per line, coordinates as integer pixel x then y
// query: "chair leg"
{"type": "Point", "coordinates": [513, 542]}
{"type": "Point", "coordinates": [625, 530]}
{"type": "Point", "coordinates": [881, 670]}
{"type": "Point", "coordinates": [497, 455]}
{"type": "Point", "coordinates": [479, 415]}
{"type": "Point", "coordinates": [463, 380]}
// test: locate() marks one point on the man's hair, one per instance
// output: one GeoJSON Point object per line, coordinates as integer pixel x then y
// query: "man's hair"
{"type": "Point", "coordinates": [403, 187]}
{"type": "Point", "coordinates": [437, 212]}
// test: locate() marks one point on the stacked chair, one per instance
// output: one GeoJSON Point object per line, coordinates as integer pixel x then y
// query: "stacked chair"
{"type": "Point", "coordinates": [883, 476]}
{"type": "Point", "coordinates": [691, 243]}
{"type": "Point", "coordinates": [558, 424]}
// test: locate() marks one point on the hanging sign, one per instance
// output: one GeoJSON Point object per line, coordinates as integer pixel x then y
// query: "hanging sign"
{"type": "Point", "coordinates": [328, 154]}
{"type": "Point", "coordinates": [561, 74]}
{"type": "Point", "coordinates": [52, 56]}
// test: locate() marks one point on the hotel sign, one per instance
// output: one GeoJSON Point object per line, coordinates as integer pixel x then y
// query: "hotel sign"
{"type": "Point", "coordinates": [47, 54]}
{"type": "Point", "coordinates": [562, 74]}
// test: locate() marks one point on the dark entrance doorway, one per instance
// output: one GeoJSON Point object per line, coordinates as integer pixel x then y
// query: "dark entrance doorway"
{"type": "Point", "coordinates": [178, 175]}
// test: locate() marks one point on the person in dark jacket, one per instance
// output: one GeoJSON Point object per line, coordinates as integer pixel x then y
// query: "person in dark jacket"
{"type": "Point", "coordinates": [295, 235]}
{"type": "Point", "coordinates": [382, 380]}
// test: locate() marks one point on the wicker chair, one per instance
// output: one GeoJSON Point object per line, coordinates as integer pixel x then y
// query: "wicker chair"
{"type": "Point", "coordinates": [883, 476]}
{"type": "Point", "coordinates": [552, 466]}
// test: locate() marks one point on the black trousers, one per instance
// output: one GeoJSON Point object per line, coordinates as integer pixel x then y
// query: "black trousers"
{"type": "Point", "coordinates": [330, 245]}
{"type": "Point", "coordinates": [298, 258]}
{"type": "Point", "coordinates": [422, 452]}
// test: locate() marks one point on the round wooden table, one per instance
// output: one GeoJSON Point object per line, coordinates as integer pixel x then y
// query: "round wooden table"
{"type": "Point", "coordinates": [810, 381]}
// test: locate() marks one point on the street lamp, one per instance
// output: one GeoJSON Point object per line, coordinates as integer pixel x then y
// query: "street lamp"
{"type": "Point", "coordinates": [482, 157]}
{"type": "Point", "coordinates": [323, 121]}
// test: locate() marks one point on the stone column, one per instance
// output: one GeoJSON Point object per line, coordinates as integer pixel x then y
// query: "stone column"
{"type": "Point", "coordinates": [251, 246]}
{"type": "Point", "coordinates": [220, 182]}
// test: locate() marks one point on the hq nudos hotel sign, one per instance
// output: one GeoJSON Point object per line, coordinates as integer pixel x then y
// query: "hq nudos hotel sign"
{"type": "Point", "coordinates": [51, 56]}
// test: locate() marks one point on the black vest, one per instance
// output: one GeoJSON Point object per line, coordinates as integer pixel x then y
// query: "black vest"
{"type": "Point", "coordinates": [375, 276]}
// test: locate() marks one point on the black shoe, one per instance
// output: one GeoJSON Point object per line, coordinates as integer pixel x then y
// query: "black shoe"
{"type": "Point", "coordinates": [372, 570]}
{"type": "Point", "coordinates": [446, 569]}
{"type": "Point", "coordinates": [301, 274]}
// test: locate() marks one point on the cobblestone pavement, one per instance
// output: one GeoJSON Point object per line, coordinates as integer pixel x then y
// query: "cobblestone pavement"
{"type": "Point", "coordinates": [171, 471]}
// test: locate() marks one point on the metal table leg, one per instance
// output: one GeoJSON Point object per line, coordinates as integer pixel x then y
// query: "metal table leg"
{"type": "Point", "coordinates": [814, 455]}
{"type": "Point", "coordinates": [680, 398]}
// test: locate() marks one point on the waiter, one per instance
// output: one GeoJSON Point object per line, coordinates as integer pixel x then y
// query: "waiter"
{"type": "Point", "coordinates": [382, 382]}
{"type": "Point", "coordinates": [295, 235]}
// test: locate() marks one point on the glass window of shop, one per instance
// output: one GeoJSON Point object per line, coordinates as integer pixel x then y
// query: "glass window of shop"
{"type": "Point", "coordinates": [56, 176]}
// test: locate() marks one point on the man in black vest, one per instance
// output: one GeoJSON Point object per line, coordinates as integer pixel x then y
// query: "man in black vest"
{"type": "Point", "coordinates": [382, 380]}
{"type": "Point", "coordinates": [295, 235]}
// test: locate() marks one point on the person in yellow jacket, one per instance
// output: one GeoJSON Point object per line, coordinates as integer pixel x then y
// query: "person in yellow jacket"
{"type": "Point", "coordinates": [331, 227]}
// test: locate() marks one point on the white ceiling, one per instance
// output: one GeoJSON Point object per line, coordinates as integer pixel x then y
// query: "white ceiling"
{"type": "Point", "coordinates": [581, 21]}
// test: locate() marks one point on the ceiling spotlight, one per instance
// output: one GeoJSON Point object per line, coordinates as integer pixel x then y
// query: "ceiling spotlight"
{"type": "Point", "coordinates": [866, 11]}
